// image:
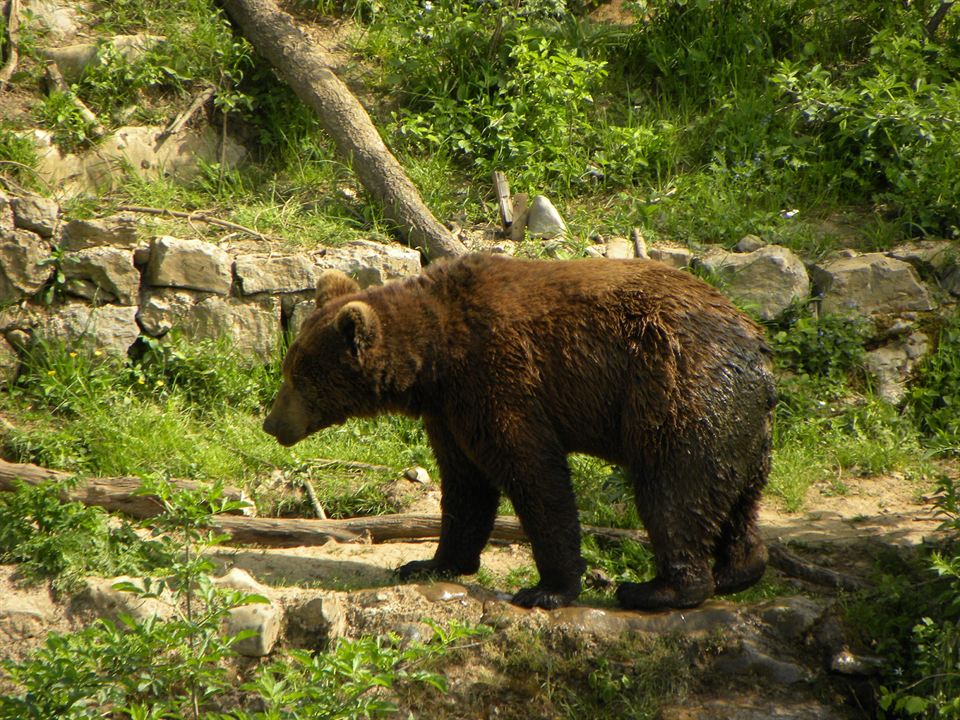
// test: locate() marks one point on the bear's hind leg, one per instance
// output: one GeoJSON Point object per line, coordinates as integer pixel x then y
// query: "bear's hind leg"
{"type": "Point", "coordinates": [741, 556]}
{"type": "Point", "coordinates": [682, 540]}
{"type": "Point", "coordinates": [468, 509]}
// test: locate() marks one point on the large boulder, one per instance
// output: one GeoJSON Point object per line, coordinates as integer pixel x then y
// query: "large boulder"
{"type": "Point", "coordinates": [109, 328]}
{"type": "Point", "coordinates": [102, 274]}
{"type": "Point", "coordinates": [869, 284]}
{"type": "Point", "coordinates": [189, 264]}
{"type": "Point", "coordinates": [23, 266]}
{"type": "Point", "coordinates": [9, 362]}
{"type": "Point", "coordinates": [147, 152]}
{"type": "Point", "coordinates": [766, 280]}
{"type": "Point", "coordinates": [73, 60]}
{"type": "Point", "coordinates": [371, 263]}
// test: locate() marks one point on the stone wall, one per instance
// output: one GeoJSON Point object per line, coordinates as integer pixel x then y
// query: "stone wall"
{"type": "Point", "coordinates": [114, 286]}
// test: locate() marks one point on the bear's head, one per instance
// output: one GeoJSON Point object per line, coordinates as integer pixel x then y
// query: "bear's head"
{"type": "Point", "coordinates": [326, 378]}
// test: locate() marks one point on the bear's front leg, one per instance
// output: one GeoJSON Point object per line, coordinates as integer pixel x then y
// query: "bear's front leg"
{"type": "Point", "coordinates": [468, 509]}
{"type": "Point", "coordinates": [547, 508]}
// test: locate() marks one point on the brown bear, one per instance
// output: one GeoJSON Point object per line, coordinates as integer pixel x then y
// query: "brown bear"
{"type": "Point", "coordinates": [513, 364]}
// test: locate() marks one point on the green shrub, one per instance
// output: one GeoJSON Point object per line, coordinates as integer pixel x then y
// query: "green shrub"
{"type": "Point", "coordinates": [934, 395]}
{"type": "Point", "coordinates": [64, 541]}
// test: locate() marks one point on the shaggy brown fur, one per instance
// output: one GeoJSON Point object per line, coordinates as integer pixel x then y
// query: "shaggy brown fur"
{"type": "Point", "coordinates": [513, 364]}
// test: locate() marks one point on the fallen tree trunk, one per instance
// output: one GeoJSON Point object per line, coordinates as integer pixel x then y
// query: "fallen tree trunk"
{"type": "Point", "coordinates": [276, 37]}
{"type": "Point", "coordinates": [116, 494]}
{"type": "Point", "coordinates": [296, 532]}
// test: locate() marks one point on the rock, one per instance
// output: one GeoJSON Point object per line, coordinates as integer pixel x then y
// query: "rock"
{"type": "Point", "coordinates": [618, 248]}
{"type": "Point", "coordinates": [108, 270]}
{"type": "Point", "coordinates": [929, 257]}
{"type": "Point", "coordinates": [73, 60]}
{"type": "Point", "coordinates": [22, 316]}
{"type": "Point", "coordinates": [20, 618]}
{"type": "Point", "coordinates": [791, 618]}
{"type": "Point", "coordinates": [673, 256]}
{"type": "Point", "coordinates": [314, 618]}
{"type": "Point", "coordinates": [890, 365]}
{"type": "Point", "coordinates": [595, 251]}
{"type": "Point", "coordinates": [239, 579]}
{"type": "Point", "coordinates": [58, 21]}
{"type": "Point", "coordinates": [6, 214]}
{"type": "Point", "coordinates": [252, 326]}
{"type": "Point", "coordinates": [144, 150]}
{"type": "Point", "coordinates": [108, 328]}
{"type": "Point", "coordinates": [275, 273]}
{"type": "Point", "coordinates": [371, 263]}
{"type": "Point", "coordinates": [9, 362]}
{"type": "Point", "coordinates": [163, 308]}
{"type": "Point", "coordinates": [847, 663]}
{"type": "Point", "coordinates": [417, 474]}
{"type": "Point", "coordinates": [23, 271]}
{"type": "Point", "coordinates": [117, 231]}
{"type": "Point", "coordinates": [747, 657]}
{"type": "Point", "coordinates": [35, 213]}
{"type": "Point", "coordinates": [299, 312]}
{"type": "Point", "coordinates": [107, 602]}
{"type": "Point", "coordinates": [264, 620]}
{"type": "Point", "coordinates": [413, 633]}
{"type": "Point", "coordinates": [189, 264]}
{"type": "Point", "coordinates": [869, 284]}
{"type": "Point", "coordinates": [748, 244]}
{"type": "Point", "coordinates": [543, 220]}
{"type": "Point", "coordinates": [768, 279]}
{"type": "Point", "coordinates": [951, 281]}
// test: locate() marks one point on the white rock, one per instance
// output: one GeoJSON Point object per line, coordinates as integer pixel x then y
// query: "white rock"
{"type": "Point", "coordinates": [265, 620]}
{"type": "Point", "coordinates": [890, 365]}
{"type": "Point", "coordinates": [618, 248]}
{"type": "Point", "coordinates": [544, 220]}
{"type": "Point", "coordinates": [110, 603]}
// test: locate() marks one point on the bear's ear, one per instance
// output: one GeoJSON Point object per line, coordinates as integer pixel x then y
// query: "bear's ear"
{"type": "Point", "coordinates": [332, 284]}
{"type": "Point", "coordinates": [360, 327]}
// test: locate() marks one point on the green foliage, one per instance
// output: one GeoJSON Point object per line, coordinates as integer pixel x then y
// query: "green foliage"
{"type": "Point", "coordinates": [915, 620]}
{"type": "Point", "coordinates": [14, 148]}
{"type": "Point", "coordinates": [61, 115]}
{"type": "Point", "coordinates": [828, 347]}
{"type": "Point", "coordinates": [338, 684]}
{"type": "Point", "coordinates": [49, 538]}
{"type": "Point", "coordinates": [623, 561]}
{"type": "Point", "coordinates": [934, 395]}
{"type": "Point", "coordinates": [175, 668]}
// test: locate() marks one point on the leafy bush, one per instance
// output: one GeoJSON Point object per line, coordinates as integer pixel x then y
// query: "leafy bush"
{"type": "Point", "coordinates": [934, 395]}
{"type": "Point", "coordinates": [66, 540]}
